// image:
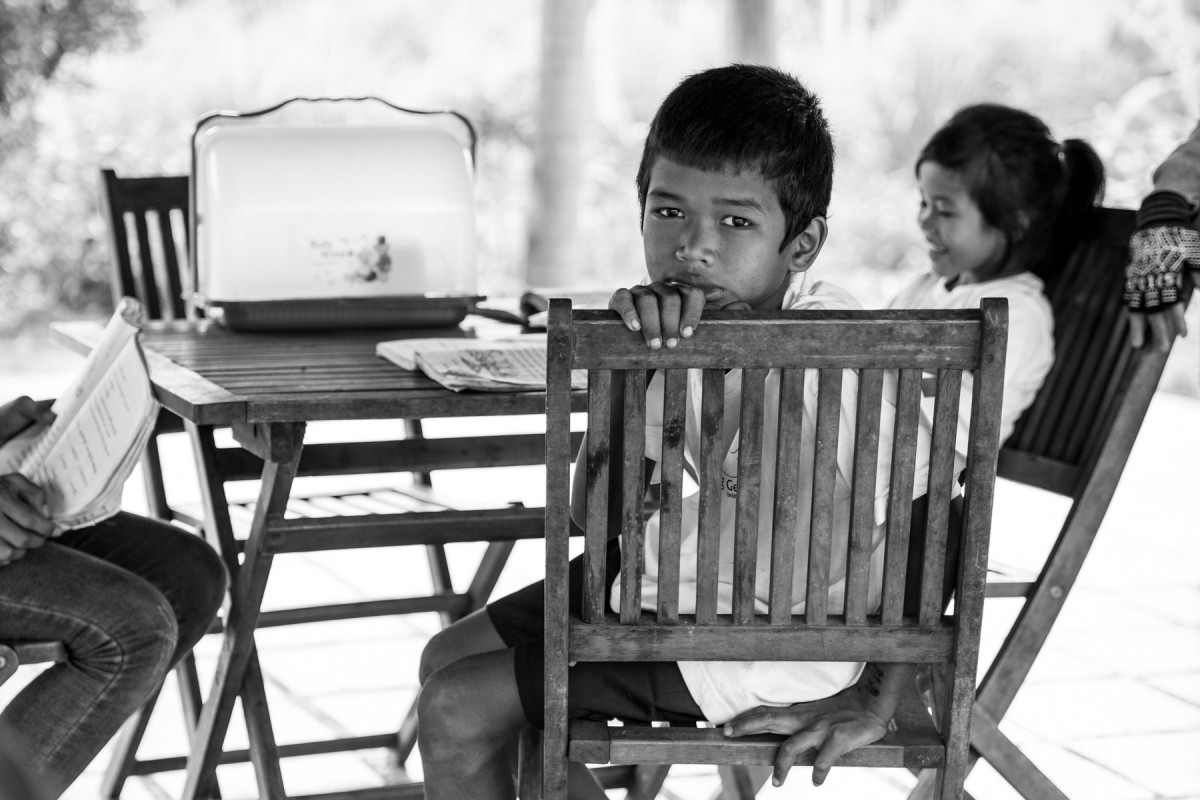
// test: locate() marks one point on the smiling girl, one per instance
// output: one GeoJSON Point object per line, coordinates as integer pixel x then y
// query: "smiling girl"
{"type": "Point", "coordinates": [1001, 202]}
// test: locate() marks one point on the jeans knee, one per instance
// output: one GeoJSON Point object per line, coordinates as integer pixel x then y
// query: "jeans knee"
{"type": "Point", "coordinates": [135, 646]}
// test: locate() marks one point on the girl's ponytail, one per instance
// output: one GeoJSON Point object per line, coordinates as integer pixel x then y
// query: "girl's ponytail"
{"type": "Point", "coordinates": [1081, 191]}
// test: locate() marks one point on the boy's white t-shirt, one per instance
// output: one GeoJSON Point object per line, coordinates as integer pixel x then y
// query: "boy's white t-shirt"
{"type": "Point", "coordinates": [1030, 351]}
{"type": "Point", "coordinates": [724, 689]}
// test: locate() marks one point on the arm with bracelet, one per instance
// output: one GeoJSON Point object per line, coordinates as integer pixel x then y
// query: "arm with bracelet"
{"type": "Point", "coordinates": [1164, 246]}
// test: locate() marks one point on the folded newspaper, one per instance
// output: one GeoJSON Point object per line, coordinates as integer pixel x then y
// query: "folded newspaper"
{"type": "Point", "coordinates": [101, 426]}
{"type": "Point", "coordinates": [488, 365]}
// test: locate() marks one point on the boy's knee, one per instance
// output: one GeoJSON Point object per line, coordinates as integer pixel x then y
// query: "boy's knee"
{"type": "Point", "coordinates": [445, 729]}
{"type": "Point", "coordinates": [444, 648]}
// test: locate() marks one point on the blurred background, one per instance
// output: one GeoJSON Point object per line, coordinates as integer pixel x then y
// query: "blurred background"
{"type": "Point", "coordinates": [561, 92]}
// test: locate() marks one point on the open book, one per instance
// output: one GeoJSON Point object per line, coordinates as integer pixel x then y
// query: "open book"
{"type": "Point", "coordinates": [490, 365]}
{"type": "Point", "coordinates": [103, 422]}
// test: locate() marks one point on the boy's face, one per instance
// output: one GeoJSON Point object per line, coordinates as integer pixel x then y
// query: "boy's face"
{"type": "Point", "coordinates": [719, 231]}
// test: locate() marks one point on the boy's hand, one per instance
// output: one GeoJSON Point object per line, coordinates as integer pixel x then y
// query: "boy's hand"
{"type": "Point", "coordinates": [24, 521]}
{"type": "Point", "coordinates": [832, 726]}
{"type": "Point", "coordinates": [19, 414]}
{"type": "Point", "coordinates": [664, 311]}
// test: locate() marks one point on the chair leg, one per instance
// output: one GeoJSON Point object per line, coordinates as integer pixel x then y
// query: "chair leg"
{"type": "Point", "coordinates": [739, 782]}
{"type": "Point", "coordinates": [529, 765]}
{"type": "Point", "coordinates": [648, 780]}
{"type": "Point", "coordinates": [124, 757]}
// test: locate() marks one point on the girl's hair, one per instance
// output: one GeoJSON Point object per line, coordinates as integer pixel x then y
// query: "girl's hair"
{"type": "Point", "coordinates": [1034, 190]}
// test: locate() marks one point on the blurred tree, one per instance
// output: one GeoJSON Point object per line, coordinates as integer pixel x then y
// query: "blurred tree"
{"type": "Point", "coordinates": [752, 31]}
{"type": "Point", "coordinates": [563, 116]}
{"type": "Point", "coordinates": [35, 38]}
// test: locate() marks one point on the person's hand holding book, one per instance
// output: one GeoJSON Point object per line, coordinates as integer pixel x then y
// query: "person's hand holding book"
{"type": "Point", "coordinates": [24, 524]}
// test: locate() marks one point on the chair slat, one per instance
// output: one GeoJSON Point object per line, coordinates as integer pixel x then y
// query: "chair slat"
{"type": "Point", "coordinates": [173, 282]}
{"type": "Point", "coordinates": [633, 532]}
{"type": "Point", "coordinates": [904, 445]}
{"type": "Point", "coordinates": [862, 508]}
{"type": "Point", "coordinates": [785, 516]}
{"type": "Point", "coordinates": [829, 403]}
{"type": "Point", "coordinates": [599, 444]}
{"type": "Point", "coordinates": [745, 548]}
{"type": "Point", "coordinates": [671, 492]}
{"type": "Point", "coordinates": [712, 419]}
{"type": "Point", "coordinates": [941, 486]}
{"type": "Point", "coordinates": [148, 284]}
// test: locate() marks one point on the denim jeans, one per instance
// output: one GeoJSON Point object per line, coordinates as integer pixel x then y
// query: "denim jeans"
{"type": "Point", "coordinates": [128, 597]}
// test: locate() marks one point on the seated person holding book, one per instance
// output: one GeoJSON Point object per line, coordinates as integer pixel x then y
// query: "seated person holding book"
{"type": "Point", "coordinates": [128, 597]}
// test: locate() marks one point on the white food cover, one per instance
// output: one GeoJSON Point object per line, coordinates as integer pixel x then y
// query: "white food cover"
{"type": "Point", "coordinates": [314, 211]}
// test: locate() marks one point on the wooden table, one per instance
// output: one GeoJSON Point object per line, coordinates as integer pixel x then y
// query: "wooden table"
{"type": "Point", "coordinates": [267, 387]}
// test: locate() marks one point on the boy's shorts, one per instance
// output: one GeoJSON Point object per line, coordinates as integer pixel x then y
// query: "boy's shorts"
{"type": "Point", "coordinates": [641, 691]}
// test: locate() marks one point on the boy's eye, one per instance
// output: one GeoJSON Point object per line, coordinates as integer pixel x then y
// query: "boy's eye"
{"type": "Point", "coordinates": [736, 222]}
{"type": "Point", "coordinates": [667, 213]}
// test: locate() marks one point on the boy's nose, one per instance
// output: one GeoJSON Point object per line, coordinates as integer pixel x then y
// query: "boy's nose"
{"type": "Point", "coordinates": [698, 245]}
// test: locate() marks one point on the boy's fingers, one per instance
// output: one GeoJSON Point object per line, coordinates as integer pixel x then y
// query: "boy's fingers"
{"type": "Point", "coordinates": [670, 310]}
{"type": "Point", "coordinates": [622, 303]}
{"type": "Point", "coordinates": [693, 308]}
{"type": "Point", "coordinates": [835, 746]}
{"type": "Point", "coordinates": [793, 746]}
{"type": "Point", "coordinates": [646, 301]}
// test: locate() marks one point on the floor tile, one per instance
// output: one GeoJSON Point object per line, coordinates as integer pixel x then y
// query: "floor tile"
{"type": "Point", "coordinates": [1100, 707]}
{"type": "Point", "coordinates": [1167, 763]}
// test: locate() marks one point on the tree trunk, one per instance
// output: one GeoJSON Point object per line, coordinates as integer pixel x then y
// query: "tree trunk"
{"type": "Point", "coordinates": [752, 31]}
{"type": "Point", "coordinates": [563, 117]}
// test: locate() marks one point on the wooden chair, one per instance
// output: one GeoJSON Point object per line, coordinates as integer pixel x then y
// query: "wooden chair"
{"type": "Point", "coordinates": [1073, 441]}
{"type": "Point", "coordinates": [813, 349]}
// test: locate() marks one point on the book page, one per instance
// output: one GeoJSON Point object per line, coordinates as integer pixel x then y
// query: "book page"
{"type": "Point", "coordinates": [77, 467]}
{"type": "Point", "coordinates": [483, 368]}
{"type": "Point", "coordinates": [403, 352]}
{"type": "Point", "coordinates": [103, 422]}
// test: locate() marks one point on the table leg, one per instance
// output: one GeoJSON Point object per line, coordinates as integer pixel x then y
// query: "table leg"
{"type": "Point", "coordinates": [238, 658]}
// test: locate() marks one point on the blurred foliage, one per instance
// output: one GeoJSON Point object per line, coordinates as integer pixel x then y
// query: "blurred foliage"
{"type": "Point", "coordinates": [1125, 75]}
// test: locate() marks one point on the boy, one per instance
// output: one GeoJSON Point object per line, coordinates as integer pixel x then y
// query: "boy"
{"type": "Point", "coordinates": [734, 184]}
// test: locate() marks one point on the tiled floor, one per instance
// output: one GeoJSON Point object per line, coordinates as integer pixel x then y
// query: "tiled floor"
{"type": "Point", "coordinates": [1111, 710]}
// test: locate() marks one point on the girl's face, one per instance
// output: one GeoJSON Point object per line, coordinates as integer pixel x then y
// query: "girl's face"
{"type": "Point", "coordinates": [961, 242]}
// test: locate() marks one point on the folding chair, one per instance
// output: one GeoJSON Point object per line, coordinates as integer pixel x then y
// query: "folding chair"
{"type": "Point", "coordinates": [148, 226]}
{"type": "Point", "coordinates": [814, 348]}
{"type": "Point", "coordinates": [1073, 441]}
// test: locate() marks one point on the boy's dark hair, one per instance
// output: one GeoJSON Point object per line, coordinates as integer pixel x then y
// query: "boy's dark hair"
{"type": "Point", "coordinates": [1010, 166]}
{"type": "Point", "coordinates": [747, 117]}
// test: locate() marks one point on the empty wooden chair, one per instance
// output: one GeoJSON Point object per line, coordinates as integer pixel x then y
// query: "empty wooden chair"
{"type": "Point", "coordinates": [811, 349]}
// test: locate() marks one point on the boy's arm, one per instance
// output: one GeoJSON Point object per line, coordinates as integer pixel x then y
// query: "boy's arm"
{"type": "Point", "coordinates": [664, 311]}
{"type": "Point", "coordinates": [854, 717]}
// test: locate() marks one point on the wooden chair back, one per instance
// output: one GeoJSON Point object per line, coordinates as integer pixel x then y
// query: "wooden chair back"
{"type": "Point", "coordinates": [884, 354]}
{"type": "Point", "coordinates": [148, 231]}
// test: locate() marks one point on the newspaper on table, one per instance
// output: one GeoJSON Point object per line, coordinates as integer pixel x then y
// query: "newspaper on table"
{"type": "Point", "coordinates": [488, 365]}
{"type": "Point", "coordinates": [102, 424]}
